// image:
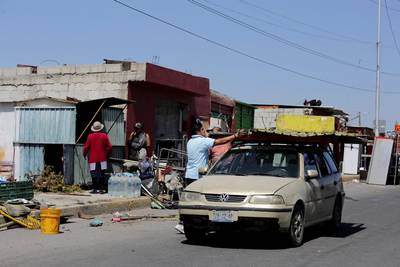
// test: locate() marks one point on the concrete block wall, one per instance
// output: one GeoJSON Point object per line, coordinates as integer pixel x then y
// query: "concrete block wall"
{"type": "Point", "coordinates": [84, 82]}
{"type": "Point", "coordinates": [266, 118]}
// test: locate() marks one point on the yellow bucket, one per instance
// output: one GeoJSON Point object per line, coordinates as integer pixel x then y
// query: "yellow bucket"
{"type": "Point", "coordinates": [50, 221]}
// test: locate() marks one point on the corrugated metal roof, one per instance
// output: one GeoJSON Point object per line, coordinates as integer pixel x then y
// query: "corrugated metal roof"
{"type": "Point", "coordinates": [222, 99]}
{"type": "Point", "coordinates": [60, 100]}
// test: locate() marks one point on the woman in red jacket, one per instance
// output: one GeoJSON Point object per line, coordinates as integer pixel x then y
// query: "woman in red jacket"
{"type": "Point", "coordinates": [98, 145]}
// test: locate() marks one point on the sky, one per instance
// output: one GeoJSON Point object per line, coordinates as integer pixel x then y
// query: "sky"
{"type": "Point", "coordinates": [258, 51]}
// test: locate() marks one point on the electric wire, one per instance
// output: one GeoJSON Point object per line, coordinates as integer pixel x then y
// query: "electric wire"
{"type": "Point", "coordinates": [268, 11]}
{"type": "Point", "coordinates": [236, 51]}
{"type": "Point", "coordinates": [285, 41]}
{"type": "Point", "coordinates": [277, 25]}
{"type": "Point", "coordinates": [391, 28]}
{"type": "Point", "coordinates": [391, 8]}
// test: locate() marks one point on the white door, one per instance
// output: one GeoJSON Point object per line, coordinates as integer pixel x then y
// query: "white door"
{"type": "Point", "coordinates": [351, 158]}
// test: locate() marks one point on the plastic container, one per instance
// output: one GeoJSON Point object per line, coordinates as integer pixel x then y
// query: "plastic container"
{"type": "Point", "coordinates": [50, 221]}
{"type": "Point", "coordinates": [118, 185]}
{"type": "Point", "coordinates": [112, 182]}
{"type": "Point", "coordinates": [130, 186]}
{"type": "Point", "coordinates": [14, 190]}
{"type": "Point", "coordinates": [137, 186]}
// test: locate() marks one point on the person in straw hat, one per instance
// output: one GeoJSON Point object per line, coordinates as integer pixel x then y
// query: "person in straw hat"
{"type": "Point", "coordinates": [98, 146]}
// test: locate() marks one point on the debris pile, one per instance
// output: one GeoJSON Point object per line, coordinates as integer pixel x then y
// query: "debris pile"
{"type": "Point", "coordinates": [18, 212]}
{"type": "Point", "coordinates": [50, 181]}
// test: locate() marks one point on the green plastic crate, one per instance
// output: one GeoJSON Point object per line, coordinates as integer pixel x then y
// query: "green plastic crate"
{"type": "Point", "coordinates": [16, 190]}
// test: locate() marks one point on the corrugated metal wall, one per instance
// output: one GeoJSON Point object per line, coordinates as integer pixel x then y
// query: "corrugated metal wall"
{"type": "Point", "coordinates": [36, 126]}
{"type": "Point", "coordinates": [117, 133]}
{"type": "Point", "coordinates": [117, 139]}
{"type": "Point", "coordinates": [45, 125]}
{"type": "Point", "coordinates": [81, 166]}
{"type": "Point", "coordinates": [31, 160]}
{"type": "Point", "coordinates": [244, 116]}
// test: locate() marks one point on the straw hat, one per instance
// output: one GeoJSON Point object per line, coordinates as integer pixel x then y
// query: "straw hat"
{"type": "Point", "coordinates": [97, 126]}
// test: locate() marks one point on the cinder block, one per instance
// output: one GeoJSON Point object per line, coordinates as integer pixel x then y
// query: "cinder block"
{"type": "Point", "coordinates": [93, 68]}
{"type": "Point", "coordinates": [113, 67]}
{"type": "Point", "coordinates": [24, 71]}
{"type": "Point", "coordinates": [68, 69]}
{"type": "Point", "coordinates": [49, 70]}
{"type": "Point", "coordinates": [8, 72]}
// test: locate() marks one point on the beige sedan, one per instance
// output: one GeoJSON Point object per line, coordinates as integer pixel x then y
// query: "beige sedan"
{"type": "Point", "coordinates": [286, 188]}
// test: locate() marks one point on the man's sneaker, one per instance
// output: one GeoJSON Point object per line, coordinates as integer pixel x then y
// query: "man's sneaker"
{"type": "Point", "coordinates": [179, 228]}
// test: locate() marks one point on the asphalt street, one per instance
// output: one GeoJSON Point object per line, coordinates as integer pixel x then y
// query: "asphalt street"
{"type": "Point", "coordinates": [370, 236]}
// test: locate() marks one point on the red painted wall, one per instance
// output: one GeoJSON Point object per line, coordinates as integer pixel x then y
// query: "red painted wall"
{"type": "Point", "coordinates": [163, 83]}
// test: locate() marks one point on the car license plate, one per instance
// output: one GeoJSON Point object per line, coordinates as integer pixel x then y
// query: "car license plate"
{"type": "Point", "coordinates": [222, 216]}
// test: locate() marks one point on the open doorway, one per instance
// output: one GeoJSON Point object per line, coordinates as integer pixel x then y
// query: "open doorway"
{"type": "Point", "coordinates": [53, 156]}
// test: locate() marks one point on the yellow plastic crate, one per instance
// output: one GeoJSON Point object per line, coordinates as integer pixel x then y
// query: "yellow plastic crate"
{"type": "Point", "coordinates": [304, 123]}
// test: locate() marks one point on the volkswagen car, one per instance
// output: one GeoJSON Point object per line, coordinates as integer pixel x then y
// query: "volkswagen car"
{"type": "Point", "coordinates": [264, 187]}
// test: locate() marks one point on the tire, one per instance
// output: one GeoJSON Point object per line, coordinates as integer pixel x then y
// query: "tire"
{"type": "Point", "coordinates": [336, 221]}
{"type": "Point", "coordinates": [194, 234]}
{"type": "Point", "coordinates": [296, 229]}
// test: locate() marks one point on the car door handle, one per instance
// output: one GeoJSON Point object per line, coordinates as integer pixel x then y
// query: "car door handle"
{"type": "Point", "coordinates": [322, 187]}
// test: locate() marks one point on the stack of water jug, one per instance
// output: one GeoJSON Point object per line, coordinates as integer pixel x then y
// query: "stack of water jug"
{"type": "Point", "coordinates": [124, 185]}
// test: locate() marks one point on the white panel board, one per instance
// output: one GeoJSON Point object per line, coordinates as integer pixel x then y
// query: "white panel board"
{"type": "Point", "coordinates": [380, 161]}
{"type": "Point", "coordinates": [351, 158]}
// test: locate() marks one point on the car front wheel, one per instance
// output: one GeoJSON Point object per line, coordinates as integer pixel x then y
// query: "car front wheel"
{"type": "Point", "coordinates": [296, 229]}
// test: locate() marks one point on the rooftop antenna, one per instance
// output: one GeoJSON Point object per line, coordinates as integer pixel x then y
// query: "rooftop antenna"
{"type": "Point", "coordinates": [155, 59]}
{"type": "Point", "coordinates": [50, 61]}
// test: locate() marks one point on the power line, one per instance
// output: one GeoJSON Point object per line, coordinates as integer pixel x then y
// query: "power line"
{"type": "Point", "coordinates": [285, 41]}
{"type": "Point", "coordinates": [236, 51]}
{"type": "Point", "coordinates": [391, 28]}
{"type": "Point", "coordinates": [268, 11]}
{"type": "Point", "coordinates": [277, 25]}
{"type": "Point", "coordinates": [391, 8]}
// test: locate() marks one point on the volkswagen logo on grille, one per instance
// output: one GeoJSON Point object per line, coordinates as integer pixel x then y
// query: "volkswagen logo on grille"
{"type": "Point", "coordinates": [223, 197]}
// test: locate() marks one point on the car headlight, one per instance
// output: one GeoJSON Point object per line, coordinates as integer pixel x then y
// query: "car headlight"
{"type": "Point", "coordinates": [271, 199]}
{"type": "Point", "coordinates": [190, 196]}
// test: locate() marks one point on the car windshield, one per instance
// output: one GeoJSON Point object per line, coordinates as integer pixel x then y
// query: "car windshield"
{"type": "Point", "coordinates": [266, 162]}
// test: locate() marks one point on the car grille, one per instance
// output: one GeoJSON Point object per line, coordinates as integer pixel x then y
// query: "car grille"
{"type": "Point", "coordinates": [217, 198]}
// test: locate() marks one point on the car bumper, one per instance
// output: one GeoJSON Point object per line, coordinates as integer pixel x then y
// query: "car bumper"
{"type": "Point", "coordinates": [269, 217]}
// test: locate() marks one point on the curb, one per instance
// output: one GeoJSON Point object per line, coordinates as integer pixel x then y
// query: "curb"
{"type": "Point", "coordinates": [350, 178]}
{"type": "Point", "coordinates": [104, 207]}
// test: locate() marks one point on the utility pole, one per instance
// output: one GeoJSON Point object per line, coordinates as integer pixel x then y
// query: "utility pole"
{"type": "Point", "coordinates": [378, 70]}
{"type": "Point", "coordinates": [359, 119]}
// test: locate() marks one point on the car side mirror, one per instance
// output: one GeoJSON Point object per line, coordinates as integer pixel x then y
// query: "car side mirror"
{"type": "Point", "coordinates": [311, 174]}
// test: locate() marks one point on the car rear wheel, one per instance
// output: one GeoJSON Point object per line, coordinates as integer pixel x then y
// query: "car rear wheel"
{"type": "Point", "coordinates": [194, 234]}
{"type": "Point", "coordinates": [296, 229]}
{"type": "Point", "coordinates": [336, 221]}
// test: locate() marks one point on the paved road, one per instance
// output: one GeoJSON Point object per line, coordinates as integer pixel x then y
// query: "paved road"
{"type": "Point", "coordinates": [370, 236]}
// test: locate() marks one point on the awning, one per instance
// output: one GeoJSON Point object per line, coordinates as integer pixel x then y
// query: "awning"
{"type": "Point", "coordinates": [108, 101]}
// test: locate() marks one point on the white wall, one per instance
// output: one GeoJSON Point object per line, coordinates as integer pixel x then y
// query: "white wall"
{"type": "Point", "coordinates": [7, 131]}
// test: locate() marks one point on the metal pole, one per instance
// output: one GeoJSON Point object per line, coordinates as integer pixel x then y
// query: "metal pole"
{"type": "Point", "coordinates": [378, 81]}
{"type": "Point", "coordinates": [90, 122]}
